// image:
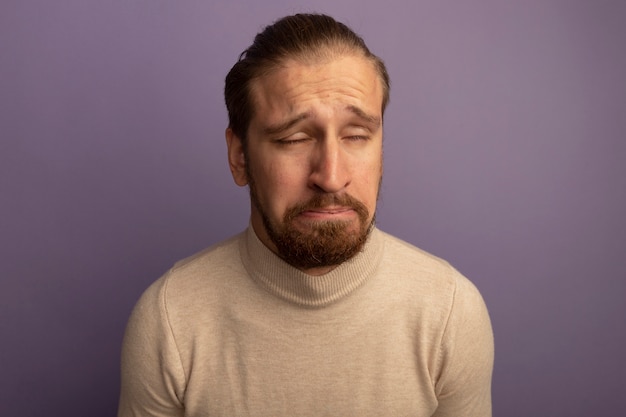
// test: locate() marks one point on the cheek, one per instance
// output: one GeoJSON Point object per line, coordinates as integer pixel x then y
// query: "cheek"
{"type": "Point", "coordinates": [277, 187]}
{"type": "Point", "coordinates": [371, 182]}
{"type": "Point", "coordinates": [370, 174]}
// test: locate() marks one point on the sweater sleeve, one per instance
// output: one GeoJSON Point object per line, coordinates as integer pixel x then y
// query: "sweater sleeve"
{"type": "Point", "coordinates": [152, 376]}
{"type": "Point", "coordinates": [464, 384]}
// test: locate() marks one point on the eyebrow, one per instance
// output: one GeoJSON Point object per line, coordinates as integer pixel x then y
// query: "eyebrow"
{"type": "Point", "coordinates": [278, 128]}
{"type": "Point", "coordinates": [375, 121]}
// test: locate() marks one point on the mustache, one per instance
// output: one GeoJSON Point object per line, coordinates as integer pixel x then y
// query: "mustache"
{"type": "Point", "coordinates": [319, 201]}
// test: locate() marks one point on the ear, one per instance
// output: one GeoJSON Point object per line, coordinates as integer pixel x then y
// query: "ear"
{"type": "Point", "coordinates": [236, 159]}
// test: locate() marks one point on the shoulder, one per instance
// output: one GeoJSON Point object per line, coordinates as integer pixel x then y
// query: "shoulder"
{"type": "Point", "coordinates": [426, 276]}
{"type": "Point", "coordinates": [443, 295]}
{"type": "Point", "coordinates": [198, 278]}
{"type": "Point", "coordinates": [405, 259]}
{"type": "Point", "coordinates": [215, 256]}
{"type": "Point", "coordinates": [404, 252]}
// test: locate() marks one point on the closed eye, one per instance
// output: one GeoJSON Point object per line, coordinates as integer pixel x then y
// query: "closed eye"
{"type": "Point", "coordinates": [357, 137]}
{"type": "Point", "coordinates": [356, 133]}
{"type": "Point", "coordinates": [291, 141]}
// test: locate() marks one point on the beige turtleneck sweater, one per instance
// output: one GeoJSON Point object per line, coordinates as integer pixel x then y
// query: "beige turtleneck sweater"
{"type": "Point", "coordinates": [235, 331]}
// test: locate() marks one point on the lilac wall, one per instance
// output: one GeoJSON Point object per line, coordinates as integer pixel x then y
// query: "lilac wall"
{"type": "Point", "coordinates": [505, 150]}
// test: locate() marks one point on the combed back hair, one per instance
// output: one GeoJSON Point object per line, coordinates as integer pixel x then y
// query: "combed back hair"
{"type": "Point", "coordinates": [306, 37]}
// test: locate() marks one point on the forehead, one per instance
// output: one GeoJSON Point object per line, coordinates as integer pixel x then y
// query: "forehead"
{"type": "Point", "coordinates": [298, 85]}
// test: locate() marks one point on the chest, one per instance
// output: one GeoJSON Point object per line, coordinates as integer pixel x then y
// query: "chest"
{"type": "Point", "coordinates": [255, 366]}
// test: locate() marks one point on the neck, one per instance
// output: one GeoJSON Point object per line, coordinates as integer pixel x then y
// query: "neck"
{"type": "Point", "coordinates": [303, 287]}
{"type": "Point", "coordinates": [259, 229]}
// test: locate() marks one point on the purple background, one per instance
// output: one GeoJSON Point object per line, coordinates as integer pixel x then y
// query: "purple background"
{"type": "Point", "coordinates": [505, 154]}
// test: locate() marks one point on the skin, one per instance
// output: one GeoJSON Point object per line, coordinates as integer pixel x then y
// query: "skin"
{"type": "Point", "coordinates": [317, 129]}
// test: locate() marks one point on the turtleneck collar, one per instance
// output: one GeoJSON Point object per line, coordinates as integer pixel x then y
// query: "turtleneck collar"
{"type": "Point", "coordinates": [291, 284]}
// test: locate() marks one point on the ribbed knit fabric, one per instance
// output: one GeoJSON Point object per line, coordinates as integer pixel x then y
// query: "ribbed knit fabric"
{"type": "Point", "coordinates": [235, 331]}
{"type": "Point", "coordinates": [313, 291]}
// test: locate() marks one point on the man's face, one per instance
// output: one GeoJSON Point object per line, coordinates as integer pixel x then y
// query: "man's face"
{"type": "Point", "coordinates": [314, 159]}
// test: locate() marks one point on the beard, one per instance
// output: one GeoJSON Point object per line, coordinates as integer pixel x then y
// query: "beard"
{"type": "Point", "coordinates": [314, 244]}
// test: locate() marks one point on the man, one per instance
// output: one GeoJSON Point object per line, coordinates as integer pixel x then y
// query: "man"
{"type": "Point", "coordinates": [312, 311]}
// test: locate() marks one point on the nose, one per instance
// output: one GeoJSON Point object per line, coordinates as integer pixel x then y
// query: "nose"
{"type": "Point", "coordinates": [329, 170]}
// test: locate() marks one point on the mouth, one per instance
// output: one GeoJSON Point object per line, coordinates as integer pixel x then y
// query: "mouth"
{"type": "Point", "coordinates": [329, 213]}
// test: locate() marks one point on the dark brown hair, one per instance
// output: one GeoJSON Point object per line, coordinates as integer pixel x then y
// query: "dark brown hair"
{"type": "Point", "coordinates": [301, 36]}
